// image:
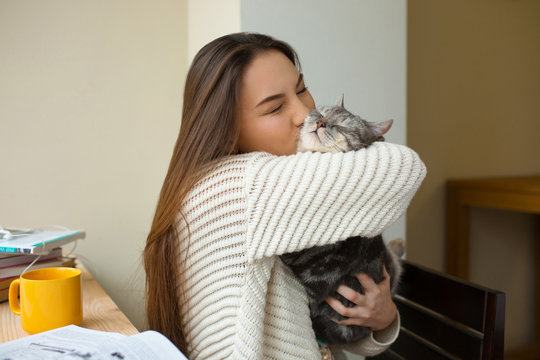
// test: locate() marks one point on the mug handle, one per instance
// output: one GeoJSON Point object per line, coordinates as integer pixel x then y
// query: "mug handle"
{"type": "Point", "coordinates": [13, 298]}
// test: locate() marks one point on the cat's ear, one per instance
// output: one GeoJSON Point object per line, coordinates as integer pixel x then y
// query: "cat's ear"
{"type": "Point", "coordinates": [380, 128]}
{"type": "Point", "coordinates": [340, 101]}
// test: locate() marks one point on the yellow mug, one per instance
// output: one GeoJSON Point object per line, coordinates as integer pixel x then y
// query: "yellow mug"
{"type": "Point", "coordinates": [49, 298]}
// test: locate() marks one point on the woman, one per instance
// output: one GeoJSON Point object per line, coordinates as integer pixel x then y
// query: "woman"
{"type": "Point", "coordinates": [237, 195]}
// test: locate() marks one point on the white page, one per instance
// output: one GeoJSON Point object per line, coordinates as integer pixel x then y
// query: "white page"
{"type": "Point", "coordinates": [156, 341]}
{"type": "Point", "coordinates": [73, 342]}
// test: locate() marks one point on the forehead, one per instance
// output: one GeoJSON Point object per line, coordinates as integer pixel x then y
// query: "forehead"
{"type": "Point", "coordinates": [270, 72]}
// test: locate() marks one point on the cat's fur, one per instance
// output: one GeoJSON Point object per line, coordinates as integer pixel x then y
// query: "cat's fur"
{"type": "Point", "coordinates": [322, 269]}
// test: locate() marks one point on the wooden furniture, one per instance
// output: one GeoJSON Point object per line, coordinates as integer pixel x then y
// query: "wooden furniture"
{"type": "Point", "coordinates": [513, 193]}
{"type": "Point", "coordinates": [443, 317]}
{"type": "Point", "coordinates": [507, 193]}
{"type": "Point", "coordinates": [99, 313]}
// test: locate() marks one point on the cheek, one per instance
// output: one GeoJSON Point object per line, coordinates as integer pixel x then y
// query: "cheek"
{"type": "Point", "coordinates": [341, 143]}
{"type": "Point", "coordinates": [280, 136]}
{"type": "Point", "coordinates": [269, 134]}
{"type": "Point", "coordinates": [334, 142]}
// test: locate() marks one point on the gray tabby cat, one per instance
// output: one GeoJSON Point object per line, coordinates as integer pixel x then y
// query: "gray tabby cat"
{"type": "Point", "coordinates": [322, 269]}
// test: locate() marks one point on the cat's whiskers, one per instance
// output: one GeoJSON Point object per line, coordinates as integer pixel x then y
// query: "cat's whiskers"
{"type": "Point", "coordinates": [335, 146]}
{"type": "Point", "coordinates": [332, 142]}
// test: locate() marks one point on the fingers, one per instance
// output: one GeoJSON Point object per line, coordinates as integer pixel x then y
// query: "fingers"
{"type": "Point", "coordinates": [369, 284]}
{"type": "Point", "coordinates": [350, 294]}
{"type": "Point", "coordinates": [371, 289]}
{"type": "Point", "coordinates": [373, 309]}
{"type": "Point", "coordinates": [355, 315]}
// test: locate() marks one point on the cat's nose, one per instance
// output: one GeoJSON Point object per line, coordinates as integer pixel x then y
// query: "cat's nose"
{"type": "Point", "coordinates": [321, 124]}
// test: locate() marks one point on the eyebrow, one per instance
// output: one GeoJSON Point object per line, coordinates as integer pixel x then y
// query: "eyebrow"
{"type": "Point", "coordinates": [280, 95]}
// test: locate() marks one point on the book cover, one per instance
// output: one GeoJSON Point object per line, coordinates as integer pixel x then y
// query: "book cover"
{"type": "Point", "coordinates": [4, 287]}
{"type": "Point", "coordinates": [17, 259]}
{"type": "Point", "coordinates": [39, 242]}
{"type": "Point", "coordinates": [15, 271]}
{"type": "Point", "coordinates": [4, 282]}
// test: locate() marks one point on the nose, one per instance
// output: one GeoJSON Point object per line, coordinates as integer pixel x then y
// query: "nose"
{"type": "Point", "coordinates": [300, 113]}
{"type": "Point", "coordinates": [320, 124]}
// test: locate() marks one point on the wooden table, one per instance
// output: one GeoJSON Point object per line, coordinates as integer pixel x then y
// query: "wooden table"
{"type": "Point", "coordinates": [99, 313]}
{"type": "Point", "coordinates": [508, 193]}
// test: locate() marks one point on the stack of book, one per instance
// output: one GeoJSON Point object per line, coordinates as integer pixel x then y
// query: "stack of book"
{"type": "Point", "coordinates": [17, 252]}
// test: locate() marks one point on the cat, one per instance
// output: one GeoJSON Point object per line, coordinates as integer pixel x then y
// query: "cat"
{"type": "Point", "coordinates": [334, 129]}
{"type": "Point", "coordinates": [322, 269]}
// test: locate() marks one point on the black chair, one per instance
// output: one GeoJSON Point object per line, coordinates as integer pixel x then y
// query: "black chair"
{"type": "Point", "coordinates": [443, 317]}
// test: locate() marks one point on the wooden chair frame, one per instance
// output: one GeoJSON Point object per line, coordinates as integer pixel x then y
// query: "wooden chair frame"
{"type": "Point", "coordinates": [443, 317]}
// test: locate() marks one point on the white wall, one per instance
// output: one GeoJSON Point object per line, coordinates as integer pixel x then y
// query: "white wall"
{"type": "Point", "coordinates": [355, 47]}
{"type": "Point", "coordinates": [90, 103]}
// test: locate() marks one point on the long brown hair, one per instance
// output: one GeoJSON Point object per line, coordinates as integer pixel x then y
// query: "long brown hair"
{"type": "Point", "coordinates": [208, 132]}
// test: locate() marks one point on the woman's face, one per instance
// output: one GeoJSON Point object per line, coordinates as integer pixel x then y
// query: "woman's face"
{"type": "Point", "coordinates": [272, 105]}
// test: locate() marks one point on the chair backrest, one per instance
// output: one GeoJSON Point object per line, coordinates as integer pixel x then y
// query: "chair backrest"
{"type": "Point", "coordinates": [443, 317]}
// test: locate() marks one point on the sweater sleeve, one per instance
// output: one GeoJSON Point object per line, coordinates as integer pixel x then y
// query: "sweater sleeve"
{"type": "Point", "coordinates": [309, 199]}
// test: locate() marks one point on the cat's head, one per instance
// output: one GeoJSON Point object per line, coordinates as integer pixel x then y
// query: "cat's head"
{"type": "Point", "coordinates": [334, 129]}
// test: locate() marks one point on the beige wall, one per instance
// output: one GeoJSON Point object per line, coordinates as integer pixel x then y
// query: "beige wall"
{"type": "Point", "coordinates": [210, 19]}
{"type": "Point", "coordinates": [474, 111]}
{"type": "Point", "coordinates": [90, 96]}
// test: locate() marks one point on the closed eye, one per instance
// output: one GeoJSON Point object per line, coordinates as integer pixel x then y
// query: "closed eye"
{"type": "Point", "coordinates": [276, 109]}
{"type": "Point", "coordinates": [338, 128]}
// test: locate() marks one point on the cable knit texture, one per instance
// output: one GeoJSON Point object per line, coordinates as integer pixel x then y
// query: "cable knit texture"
{"type": "Point", "coordinates": [243, 302]}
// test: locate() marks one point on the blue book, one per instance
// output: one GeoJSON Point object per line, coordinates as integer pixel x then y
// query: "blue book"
{"type": "Point", "coordinates": [39, 242]}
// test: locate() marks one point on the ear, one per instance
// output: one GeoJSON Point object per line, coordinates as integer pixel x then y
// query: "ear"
{"type": "Point", "coordinates": [340, 101]}
{"type": "Point", "coordinates": [380, 128]}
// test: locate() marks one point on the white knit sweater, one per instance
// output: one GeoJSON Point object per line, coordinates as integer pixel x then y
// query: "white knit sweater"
{"type": "Point", "coordinates": [243, 302]}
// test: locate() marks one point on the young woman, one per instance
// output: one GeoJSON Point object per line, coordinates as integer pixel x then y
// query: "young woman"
{"type": "Point", "coordinates": [237, 195]}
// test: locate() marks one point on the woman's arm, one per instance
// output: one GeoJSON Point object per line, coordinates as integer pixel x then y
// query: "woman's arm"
{"type": "Point", "coordinates": [309, 199]}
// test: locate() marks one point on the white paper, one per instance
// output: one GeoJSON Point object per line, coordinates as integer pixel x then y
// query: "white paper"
{"type": "Point", "coordinates": [73, 342]}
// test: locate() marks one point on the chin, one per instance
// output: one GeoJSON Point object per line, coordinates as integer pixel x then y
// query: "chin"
{"type": "Point", "coordinates": [309, 142]}
{"type": "Point", "coordinates": [284, 150]}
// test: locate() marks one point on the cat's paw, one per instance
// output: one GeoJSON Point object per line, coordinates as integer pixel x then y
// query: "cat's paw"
{"type": "Point", "coordinates": [398, 246]}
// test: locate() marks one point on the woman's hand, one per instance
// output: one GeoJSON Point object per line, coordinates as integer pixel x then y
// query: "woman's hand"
{"type": "Point", "coordinates": [375, 309]}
